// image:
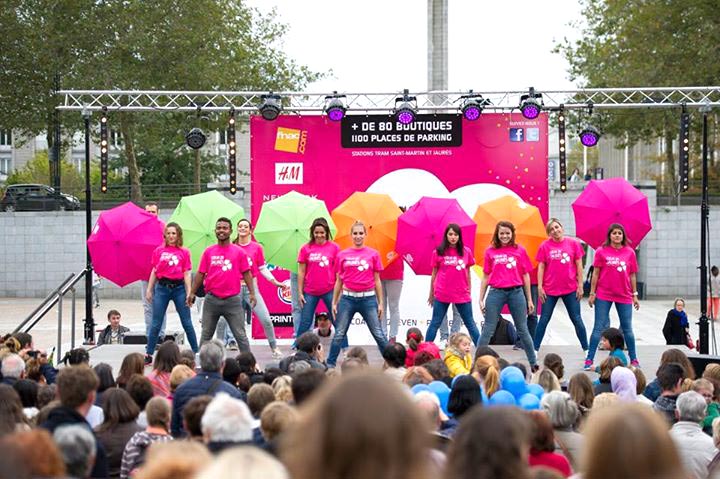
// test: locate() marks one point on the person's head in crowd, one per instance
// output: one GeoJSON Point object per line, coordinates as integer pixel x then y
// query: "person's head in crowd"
{"type": "Point", "coordinates": [640, 379]}
{"type": "Point", "coordinates": [118, 408]}
{"type": "Point", "coordinates": [10, 346]}
{"type": "Point", "coordinates": [305, 384]}
{"type": "Point", "coordinates": [490, 443]}
{"type": "Point", "coordinates": [259, 396]}
{"type": "Point", "coordinates": [187, 357]}
{"type": "Point", "coordinates": [247, 362]}
{"type": "Point", "coordinates": [394, 355]}
{"type": "Point", "coordinates": [227, 420]}
{"type": "Point", "coordinates": [140, 390]}
{"type": "Point", "coordinates": [605, 400]}
{"type": "Point", "coordinates": [75, 357]}
{"type": "Point", "coordinates": [271, 374]}
{"type": "Point", "coordinates": [105, 376]}
{"type": "Point", "coordinates": [12, 417]}
{"type": "Point", "coordinates": [77, 448]}
{"type": "Point", "coordinates": [13, 366]}
{"type": "Point", "coordinates": [298, 366]}
{"type": "Point", "coordinates": [114, 318]}
{"type": "Point", "coordinates": [675, 355]}
{"type": "Point", "coordinates": [690, 406]}
{"type": "Point", "coordinates": [174, 460]}
{"type": "Point", "coordinates": [192, 416]}
{"type": "Point", "coordinates": [712, 371]}
{"type": "Point", "coordinates": [25, 340]}
{"type": "Point", "coordinates": [212, 356]}
{"type": "Point", "coordinates": [167, 357]}
{"type": "Point", "coordinates": [157, 411]}
{"type": "Point", "coordinates": [547, 379]}
{"type": "Point", "coordinates": [704, 388]}
{"type": "Point", "coordinates": [45, 411]}
{"type": "Point", "coordinates": [33, 371]}
{"type": "Point", "coordinates": [523, 369]}
{"type": "Point", "coordinates": [350, 365]}
{"type": "Point", "coordinates": [437, 369]}
{"type": "Point", "coordinates": [413, 338]}
{"type": "Point", "coordinates": [670, 378]}
{"type": "Point", "coordinates": [180, 373]}
{"type": "Point", "coordinates": [606, 367]}
{"type": "Point", "coordinates": [629, 441]}
{"type": "Point", "coordinates": [487, 372]}
{"type": "Point", "coordinates": [459, 344]}
{"type": "Point", "coordinates": [624, 384]}
{"type": "Point", "coordinates": [133, 363]}
{"type": "Point", "coordinates": [35, 449]}
{"type": "Point", "coordinates": [429, 404]}
{"type": "Point", "coordinates": [612, 339]}
{"type": "Point", "coordinates": [423, 357]}
{"type": "Point", "coordinates": [580, 389]}
{"type": "Point", "coordinates": [358, 352]}
{"type": "Point", "coordinates": [152, 208]}
{"type": "Point", "coordinates": [77, 387]}
{"type": "Point", "coordinates": [464, 394]}
{"type": "Point", "coordinates": [323, 324]}
{"type": "Point", "coordinates": [561, 409]}
{"type": "Point", "coordinates": [46, 393]}
{"type": "Point", "coordinates": [231, 371]}
{"type": "Point", "coordinates": [374, 417]}
{"type": "Point", "coordinates": [28, 392]}
{"type": "Point", "coordinates": [486, 351]}
{"type": "Point", "coordinates": [282, 386]}
{"type": "Point", "coordinates": [542, 436]}
{"type": "Point", "coordinates": [554, 363]}
{"type": "Point", "coordinates": [309, 343]}
{"type": "Point", "coordinates": [256, 464]}
{"type": "Point", "coordinates": [417, 375]}
{"type": "Point", "coordinates": [276, 418]}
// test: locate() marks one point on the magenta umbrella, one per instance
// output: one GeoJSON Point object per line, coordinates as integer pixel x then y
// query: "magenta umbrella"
{"type": "Point", "coordinates": [604, 202]}
{"type": "Point", "coordinates": [122, 242]}
{"type": "Point", "coordinates": [421, 228]}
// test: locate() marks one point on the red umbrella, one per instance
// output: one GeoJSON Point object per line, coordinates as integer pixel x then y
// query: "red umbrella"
{"type": "Point", "coordinates": [604, 202]}
{"type": "Point", "coordinates": [122, 242]}
{"type": "Point", "coordinates": [421, 228]}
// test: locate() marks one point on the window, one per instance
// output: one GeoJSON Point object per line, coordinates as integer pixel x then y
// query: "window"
{"type": "Point", "coordinates": [5, 164]}
{"type": "Point", "coordinates": [5, 137]}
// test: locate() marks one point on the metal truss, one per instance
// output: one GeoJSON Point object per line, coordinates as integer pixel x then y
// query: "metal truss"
{"type": "Point", "coordinates": [429, 101]}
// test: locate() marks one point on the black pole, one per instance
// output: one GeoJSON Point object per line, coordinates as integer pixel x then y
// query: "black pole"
{"type": "Point", "coordinates": [55, 151]}
{"type": "Point", "coordinates": [89, 327]}
{"type": "Point", "coordinates": [704, 322]}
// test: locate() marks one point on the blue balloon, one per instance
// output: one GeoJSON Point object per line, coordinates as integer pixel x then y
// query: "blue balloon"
{"type": "Point", "coordinates": [502, 398]}
{"type": "Point", "coordinates": [510, 371]}
{"type": "Point", "coordinates": [537, 390]}
{"type": "Point", "coordinates": [529, 402]}
{"type": "Point", "coordinates": [514, 385]}
{"type": "Point", "coordinates": [442, 391]}
{"type": "Point", "coordinates": [420, 387]}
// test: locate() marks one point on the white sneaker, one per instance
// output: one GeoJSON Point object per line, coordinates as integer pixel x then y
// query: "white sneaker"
{"type": "Point", "coordinates": [277, 354]}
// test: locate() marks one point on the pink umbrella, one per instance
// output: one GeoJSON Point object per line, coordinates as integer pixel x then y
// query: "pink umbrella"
{"type": "Point", "coordinates": [122, 242]}
{"type": "Point", "coordinates": [604, 202]}
{"type": "Point", "coordinates": [421, 228]}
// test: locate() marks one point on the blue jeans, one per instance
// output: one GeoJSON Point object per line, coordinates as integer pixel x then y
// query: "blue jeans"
{"type": "Point", "coordinates": [602, 322]}
{"type": "Point", "coordinates": [162, 295]}
{"type": "Point", "coordinates": [308, 313]}
{"type": "Point", "coordinates": [453, 326]}
{"type": "Point", "coordinates": [532, 319]}
{"type": "Point", "coordinates": [515, 299]}
{"type": "Point", "coordinates": [347, 307]}
{"type": "Point", "coordinates": [573, 308]}
{"type": "Point", "coordinates": [440, 310]}
{"type": "Point", "coordinates": [295, 302]}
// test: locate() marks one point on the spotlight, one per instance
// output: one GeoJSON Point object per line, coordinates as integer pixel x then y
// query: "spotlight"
{"type": "Point", "coordinates": [531, 104]}
{"type": "Point", "coordinates": [335, 108]}
{"type": "Point", "coordinates": [473, 106]}
{"type": "Point", "coordinates": [589, 135]}
{"type": "Point", "coordinates": [405, 112]}
{"type": "Point", "coordinates": [684, 149]}
{"type": "Point", "coordinates": [231, 146]}
{"type": "Point", "coordinates": [195, 138]}
{"type": "Point", "coordinates": [104, 147]}
{"type": "Point", "coordinates": [562, 154]}
{"type": "Point", "coordinates": [271, 106]}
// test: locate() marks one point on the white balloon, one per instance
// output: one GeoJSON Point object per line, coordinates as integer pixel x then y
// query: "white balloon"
{"type": "Point", "coordinates": [408, 185]}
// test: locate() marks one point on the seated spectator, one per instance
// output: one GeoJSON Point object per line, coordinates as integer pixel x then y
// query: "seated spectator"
{"type": "Point", "coordinates": [187, 357]}
{"type": "Point", "coordinates": [179, 374]}
{"type": "Point", "coordinates": [174, 460]}
{"type": "Point", "coordinates": [276, 418]}
{"type": "Point", "coordinates": [602, 384]}
{"type": "Point", "coordinates": [166, 358]}
{"type": "Point", "coordinates": [133, 363]}
{"type": "Point", "coordinates": [350, 365]}
{"type": "Point", "coordinates": [707, 390]}
{"type": "Point", "coordinates": [34, 449]}
{"type": "Point", "coordinates": [547, 379]}
{"type": "Point", "coordinates": [416, 375]}
{"type": "Point", "coordinates": [259, 396]}
{"type": "Point", "coordinates": [696, 448]}
{"type": "Point", "coordinates": [12, 418]}
{"type": "Point", "coordinates": [309, 349]}
{"type": "Point", "coordinates": [670, 378]}
{"type": "Point", "coordinates": [231, 372]}
{"type": "Point", "coordinates": [604, 400]}
{"type": "Point", "coordinates": [140, 390]}
{"type": "Point", "coordinates": [76, 357]}
{"type": "Point", "coordinates": [641, 385]}
{"type": "Point", "coordinates": [256, 464]}
{"type": "Point", "coordinates": [270, 374]}
{"type": "Point", "coordinates": [248, 365]}
{"type": "Point", "coordinates": [624, 384]}
{"type": "Point", "coordinates": [158, 419]}
{"type": "Point", "coordinates": [505, 333]}
{"type": "Point", "coordinates": [486, 351]}
{"type": "Point", "coordinates": [554, 363]}
{"type": "Point", "coordinates": [77, 448]}
{"type": "Point", "coordinates": [119, 425]}
{"type": "Point", "coordinates": [305, 384]}
{"type": "Point", "coordinates": [114, 333]}
{"type": "Point", "coordinates": [359, 353]}
{"type": "Point", "coordinates": [416, 344]}
{"type": "Point", "coordinates": [674, 355]}
{"type": "Point", "coordinates": [676, 328]}
{"type": "Point", "coordinates": [25, 341]}
{"type": "Point", "coordinates": [542, 445]}
{"type": "Point", "coordinates": [282, 386]}
{"type": "Point", "coordinates": [46, 393]}
{"type": "Point", "coordinates": [28, 392]}
{"type": "Point", "coordinates": [564, 414]}
{"type": "Point", "coordinates": [394, 356]}
{"type": "Point", "coordinates": [107, 381]}
{"type": "Point", "coordinates": [439, 371]}
{"type": "Point", "coordinates": [487, 372]}
{"type": "Point", "coordinates": [13, 368]}
{"type": "Point", "coordinates": [457, 355]}
{"type": "Point", "coordinates": [227, 423]}
{"type": "Point", "coordinates": [324, 330]}
{"type": "Point", "coordinates": [464, 394]}
{"type": "Point", "coordinates": [192, 417]}
{"type": "Point", "coordinates": [613, 340]}
{"type": "Point", "coordinates": [580, 389]}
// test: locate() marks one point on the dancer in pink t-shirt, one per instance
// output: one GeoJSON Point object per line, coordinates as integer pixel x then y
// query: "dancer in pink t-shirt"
{"type": "Point", "coordinates": [507, 271]}
{"type": "Point", "coordinates": [614, 281]}
{"type": "Point", "coordinates": [450, 282]}
{"type": "Point", "coordinates": [560, 276]}
{"type": "Point", "coordinates": [357, 290]}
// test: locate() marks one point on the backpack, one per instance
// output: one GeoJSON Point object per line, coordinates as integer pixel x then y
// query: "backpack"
{"type": "Point", "coordinates": [505, 333]}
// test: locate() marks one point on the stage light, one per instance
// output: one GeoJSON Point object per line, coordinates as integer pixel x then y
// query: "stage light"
{"type": "Point", "coordinates": [473, 106]}
{"type": "Point", "coordinates": [405, 111]}
{"type": "Point", "coordinates": [271, 106]}
{"type": "Point", "coordinates": [531, 104]}
{"type": "Point", "coordinates": [195, 138]}
{"type": "Point", "coordinates": [589, 135]}
{"type": "Point", "coordinates": [562, 153]}
{"type": "Point", "coordinates": [684, 164]}
{"type": "Point", "coordinates": [335, 108]}
{"type": "Point", "coordinates": [232, 153]}
{"type": "Point", "coordinates": [104, 147]}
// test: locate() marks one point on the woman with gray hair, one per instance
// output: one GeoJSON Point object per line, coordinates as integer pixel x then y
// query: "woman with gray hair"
{"type": "Point", "coordinates": [77, 448]}
{"type": "Point", "coordinates": [564, 414]}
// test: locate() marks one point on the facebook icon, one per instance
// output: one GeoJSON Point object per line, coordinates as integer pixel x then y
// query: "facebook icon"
{"type": "Point", "coordinates": [516, 134]}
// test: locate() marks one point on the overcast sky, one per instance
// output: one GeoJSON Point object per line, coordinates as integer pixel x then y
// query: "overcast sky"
{"type": "Point", "coordinates": [380, 45]}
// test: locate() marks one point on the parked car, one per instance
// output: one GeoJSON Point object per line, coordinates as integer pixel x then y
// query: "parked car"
{"type": "Point", "coordinates": [31, 197]}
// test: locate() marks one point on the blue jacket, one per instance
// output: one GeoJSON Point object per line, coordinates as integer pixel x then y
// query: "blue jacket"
{"type": "Point", "coordinates": [209, 383]}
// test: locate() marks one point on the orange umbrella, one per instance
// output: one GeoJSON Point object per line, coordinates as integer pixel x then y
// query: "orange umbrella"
{"type": "Point", "coordinates": [378, 212]}
{"type": "Point", "coordinates": [529, 227]}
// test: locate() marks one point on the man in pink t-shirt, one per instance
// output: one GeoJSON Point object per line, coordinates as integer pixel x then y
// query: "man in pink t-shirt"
{"type": "Point", "coordinates": [222, 268]}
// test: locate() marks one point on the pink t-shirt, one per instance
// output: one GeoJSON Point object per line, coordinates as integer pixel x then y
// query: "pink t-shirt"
{"type": "Point", "coordinates": [559, 257]}
{"type": "Point", "coordinates": [223, 267]}
{"type": "Point", "coordinates": [394, 270]}
{"type": "Point", "coordinates": [319, 261]}
{"type": "Point", "coordinates": [357, 268]}
{"type": "Point", "coordinates": [255, 254]}
{"type": "Point", "coordinates": [616, 266]}
{"type": "Point", "coordinates": [451, 280]}
{"type": "Point", "coordinates": [506, 266]}
{"type": "Point", "coordinates": [171, 262]}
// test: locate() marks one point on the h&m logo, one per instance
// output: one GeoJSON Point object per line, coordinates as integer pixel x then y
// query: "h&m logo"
{"type": "Point", "coordinates": [290, 140]}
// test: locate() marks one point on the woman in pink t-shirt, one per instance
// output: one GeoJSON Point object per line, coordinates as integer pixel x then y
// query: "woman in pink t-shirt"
{"type": "Point", "coordinates": [450, 282]}
{"type": "Point", "coordinates": [357, 290]}
{"type": "Point", "coordinates": [560, 276]}
{"type": "Point", "coordinates": [614, 281]}
{"type": "Point", "coordinates": [170, 281]}
{"type": "Point", "coordinates": [507, 271]}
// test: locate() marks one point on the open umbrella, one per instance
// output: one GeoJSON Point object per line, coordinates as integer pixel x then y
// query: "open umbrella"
{"type": "Point", "coordinates": [421, 229]}
{"type": "Point", "coordinates": [379, 213]}
{"type": "Point", "coordinates": [604, 202]}
{"type": "Point", "coordinates": [529, 227]}
{"type": "Point", "coordinates": [197, 215]}
{"type": "Point", "coordinates": [284, 226]}
{"type": "Point", "coordinates": [122, 242]}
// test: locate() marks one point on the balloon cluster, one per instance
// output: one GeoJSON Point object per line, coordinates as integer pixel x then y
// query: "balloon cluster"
{"type": "Point", "coordinates": [438, 388]}
{"type": "Point", "coordinates": [514, 391]}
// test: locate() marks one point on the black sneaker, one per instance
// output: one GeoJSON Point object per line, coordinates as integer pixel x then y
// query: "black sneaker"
{"type": "Point", "coordinates": [535, 368]}
{"type": "Point", "coordinates": [148, 360]}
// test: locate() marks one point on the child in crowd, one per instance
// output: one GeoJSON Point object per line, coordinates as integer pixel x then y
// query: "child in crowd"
{"type": "Point", "coordinates": [416, 344]}
{"type": "Point", "coordinates": [714, 293]}
{"type": "Point", "coordinates": [677, 328]}
{"type": "Point", "coordinates": [612, 340]}
{"type": "Point", "coordinates": [457, 356]}
{"type": "Point", "coordinates": [324, 329]}
{"type": "Point", "coordinates": [114, 332]}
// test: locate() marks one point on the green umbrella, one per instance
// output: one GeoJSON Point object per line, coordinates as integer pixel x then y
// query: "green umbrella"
{"type": "Point", "coordinates": [284, 226]}
{"type": "Point", "coordinates": [197, 215]}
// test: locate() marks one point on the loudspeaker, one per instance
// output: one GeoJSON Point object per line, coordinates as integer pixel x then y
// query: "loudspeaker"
{"type": "Point", "coordinates": [700, 361]}
{"type": "Point", "coordinates": [138, 337]}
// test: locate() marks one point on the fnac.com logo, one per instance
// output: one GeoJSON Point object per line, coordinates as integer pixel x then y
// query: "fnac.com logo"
{"type": "Point", "coordinates": [290, 140]}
